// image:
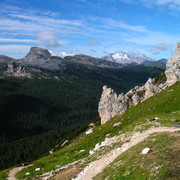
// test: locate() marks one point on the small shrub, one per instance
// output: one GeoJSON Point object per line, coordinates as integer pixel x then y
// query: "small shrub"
{"type": "Point", "coordinates": [161, 78]}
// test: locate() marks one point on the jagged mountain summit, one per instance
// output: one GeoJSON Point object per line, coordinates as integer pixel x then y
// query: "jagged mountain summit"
{"type": "Point", "coordinates": [127, 58]}
{"type": "Point", "coordinates": [112, 104]}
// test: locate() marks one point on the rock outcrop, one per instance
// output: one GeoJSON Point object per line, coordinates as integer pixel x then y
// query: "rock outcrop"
{"type": "Point", "coordinates": [16, 70]}
{"type": "Point", "coordinates": [111, 104]}
{"type": "Point", "coordinates": [173, 67]}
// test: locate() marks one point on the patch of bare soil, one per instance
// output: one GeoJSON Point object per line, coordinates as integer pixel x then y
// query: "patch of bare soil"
{"type": "Point", "coordinates": [13, 172]}
{"type": "Point", "coordinates": [68, 174]}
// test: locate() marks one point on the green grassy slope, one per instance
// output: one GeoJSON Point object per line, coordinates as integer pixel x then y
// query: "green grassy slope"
{"type": "Point", "coordinates": [164, 105]}
{"type": "Point", "coordinates": [161, 163]}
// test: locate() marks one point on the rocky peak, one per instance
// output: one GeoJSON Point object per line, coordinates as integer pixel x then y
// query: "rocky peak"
{"type": "Point", "coordinates": [111, 104]}
{"type": "Point", "coordinates": [41, 58]}
{"type": "Point", "coordinates": [38, 53]}
{"type": "Point", "coordinates": [173, 67]}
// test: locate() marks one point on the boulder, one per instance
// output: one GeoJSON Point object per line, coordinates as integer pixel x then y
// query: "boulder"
{"type": "Point", "coordinates": [89, 131]}
{"type": "Point", "coordinates": [145, 151]}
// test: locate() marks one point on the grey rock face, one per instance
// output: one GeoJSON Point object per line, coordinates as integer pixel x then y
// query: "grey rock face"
{"type": "Point", "coordinates": [150, 88]}
{"type": "Point", "coordinates": [16, 70]}
{"type": "Point", "coordinates": [38, 53]}
{"type": "Point", "coordinates": [173, 67]}
{"type": "Point", "coordinates": [111, 104]}
{"type": "Point", "coordinates": [41, 58]}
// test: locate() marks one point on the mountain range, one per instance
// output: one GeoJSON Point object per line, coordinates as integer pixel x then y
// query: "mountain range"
{"type": "Point", "coordinates": [130, 58]}
{"type": "Point", "coordinates": [42, 59]}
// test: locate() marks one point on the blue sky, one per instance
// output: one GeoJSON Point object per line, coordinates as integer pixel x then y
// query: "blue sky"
{"type": "Point", "coordinates": [92, 27]}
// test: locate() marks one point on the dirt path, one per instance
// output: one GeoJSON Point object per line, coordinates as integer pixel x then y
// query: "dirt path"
{"type": "Point", "coordinates": [13, 172]}
{"type": "Point", "coordinates": [68, 173]}
{"type": "Point", "coordinates": [97, 166]}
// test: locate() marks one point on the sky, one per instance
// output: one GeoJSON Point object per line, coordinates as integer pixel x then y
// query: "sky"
{"type": "Point", "coordinates": [91, 27]}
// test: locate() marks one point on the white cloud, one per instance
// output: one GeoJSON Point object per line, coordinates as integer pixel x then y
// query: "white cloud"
{"type": "Point", "coordinates": [170, 4]}
{"type": "Point", "coordinates": [154, 51]}
{"type": "Point", "coordinates": [47, 20]}
{"type": "Point", "coordinates": [93, 50]}
{"type": "Point", "coordinates": [153, 38]}
{"type": "Point", "coordinates": [163, 46]}
{"type": "Point", "coordinates": [52, 53]}
{"type": "Point", "coordinates": [159, 48]}
{"type": "Point", "coordinates": [18, 40]}
{"type": "Point", "coordinates": [111, 23]}
{"type": "Point", "coordinates": [64, 54]}
{"type": "Point", "coordinates": [48, 39]}
{"type": "Point", "coordinates": [29, 22]}
{"type": "Point", "coordinates": [94, 42]}
{"type": "Point", "coordinates": [133, 28]}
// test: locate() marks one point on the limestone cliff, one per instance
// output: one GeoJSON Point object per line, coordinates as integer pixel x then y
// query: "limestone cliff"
{"type": "Point", "coordinates": [16, 70]}
{"type": "Point", "coordinates": [111, 104]}
{"type": "Point", "coordinates": [173, 67]}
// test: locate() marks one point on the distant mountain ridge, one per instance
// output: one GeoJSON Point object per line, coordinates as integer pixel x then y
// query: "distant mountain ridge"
{"type": "Point", "coordinates": [127, 58]}
{"type": "Point", "coordinates": [40, 58]}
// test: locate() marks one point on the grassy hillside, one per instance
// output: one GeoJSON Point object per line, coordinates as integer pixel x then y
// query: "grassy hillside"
{"type": "Point", "coordinates": [40, 113]}
{"type": "Point", "coordinates": [161, 163]}
{"type": "Point", "coordinates": [164, 105]}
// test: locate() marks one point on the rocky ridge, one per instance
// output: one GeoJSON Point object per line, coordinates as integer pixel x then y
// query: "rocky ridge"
{"type": "Point", "coordinates": [112, 105]}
